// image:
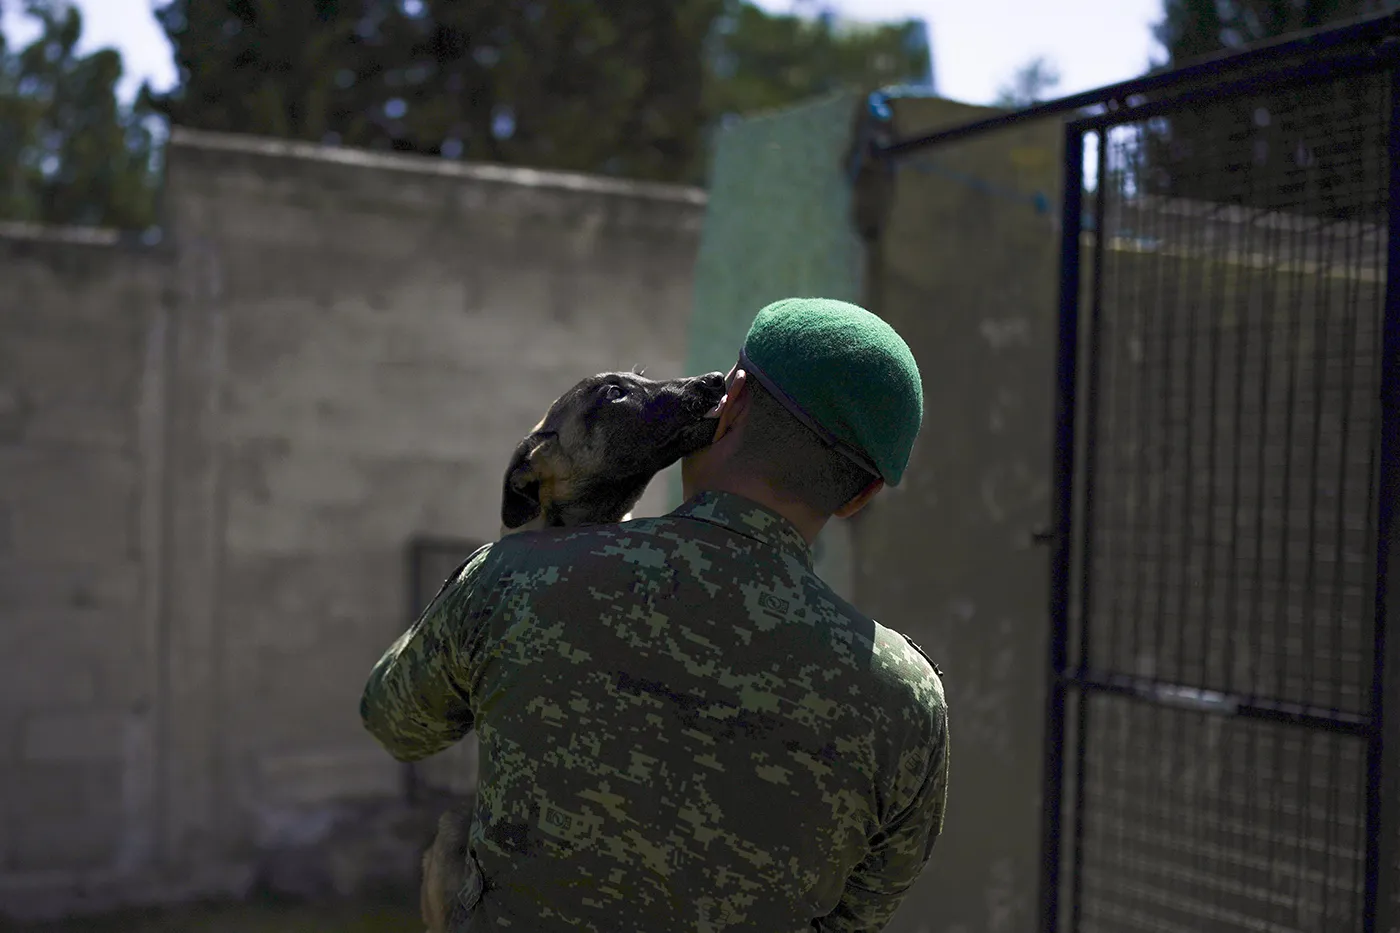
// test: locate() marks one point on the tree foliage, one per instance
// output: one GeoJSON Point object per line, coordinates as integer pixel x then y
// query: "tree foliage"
{"type": "Point", "coordinates": [69, 152]}
{"type": "Point", "coordinates": [1194, 29]}
{"type": "Point", "coordinates": [566, 83]}
{"type": "Point", "coordinates": [1315, 148]}
{"type": "Point", "coordinates": [1031, 84]}
{"type": "Point", "coordinates": [632, 88]}
{"type": "Point", "coordinates": [627, 88]}
{"type": "Point", "coordinates": [759, 61]}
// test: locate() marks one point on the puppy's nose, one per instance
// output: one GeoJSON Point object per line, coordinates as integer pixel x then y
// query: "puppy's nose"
{"type": "Point", "coordinates": [712, 381]}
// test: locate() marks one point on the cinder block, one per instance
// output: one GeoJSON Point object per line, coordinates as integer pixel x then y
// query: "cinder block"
{"type": "Point", "coordinates": [327, 774]}
{"type": "Point", "coordinates": [297, 604]}
{"type": "Point", "coordinates": [76, 364]}
{"type": "Point", "coordinates": [79, 508]}
{"type": "Point", "coordinates": [46, 673]}
{"type": "Point", "coordinates": [323, 686]}
{"type": "Point", "coordinates": [63, 815]}
{"type": "Point", "coordinates": [77, 736]}
{"type": "Point", "coordinates": [68, 585]}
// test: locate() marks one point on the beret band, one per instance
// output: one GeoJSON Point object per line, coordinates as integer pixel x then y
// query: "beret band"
{"type": "Point", "coordinates": [788, 402]}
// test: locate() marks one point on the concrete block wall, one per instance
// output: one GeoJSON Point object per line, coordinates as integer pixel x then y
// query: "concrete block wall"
{"type": "Point", "coordinates": [215, 455]}
{"type": "Point", "coordinates": [388, 334]}
{"type": "Point", "coordinates": [80, 378]}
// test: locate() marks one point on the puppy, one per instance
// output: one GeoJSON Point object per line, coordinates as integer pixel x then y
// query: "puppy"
{"type": "Point", "coordinates": [587, 462]}
{"type": "Point", "coordinates": [591, 457]}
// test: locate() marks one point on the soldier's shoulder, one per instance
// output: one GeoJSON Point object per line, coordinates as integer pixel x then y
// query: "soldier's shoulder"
{"type": "Point", "coordinates": [928, 658]}
{"type": "Point", "coordinates": [476, 562]}
{"type": "Point", "coordinates": [911, 667]}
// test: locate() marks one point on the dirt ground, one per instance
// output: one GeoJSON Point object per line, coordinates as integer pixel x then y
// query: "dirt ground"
{"type": "Point", "coordinates": [242, 918]}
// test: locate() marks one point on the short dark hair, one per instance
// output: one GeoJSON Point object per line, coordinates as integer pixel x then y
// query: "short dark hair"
{"type": "Point", "coordinates": [792, 458]}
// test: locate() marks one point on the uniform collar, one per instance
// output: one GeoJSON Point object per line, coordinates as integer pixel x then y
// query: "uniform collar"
{"type": "Point", "coordinates": [748, 518]}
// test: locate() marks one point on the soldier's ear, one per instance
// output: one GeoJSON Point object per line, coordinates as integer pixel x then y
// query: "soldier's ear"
{"type": "Point", "coordinates": [520, 493]}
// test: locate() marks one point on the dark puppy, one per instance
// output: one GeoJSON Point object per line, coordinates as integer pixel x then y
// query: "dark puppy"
{"type": "Point", "coordinates": [587, 462]}
{"type": "Point", "coordinates": [591, 457]}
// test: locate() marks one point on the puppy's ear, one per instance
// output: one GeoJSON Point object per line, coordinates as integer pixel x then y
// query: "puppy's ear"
{"type": "Point", "coordinates": [520, 494]}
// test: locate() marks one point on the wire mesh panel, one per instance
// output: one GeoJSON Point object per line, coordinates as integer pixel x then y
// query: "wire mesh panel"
{"type": "Point", "coordinates": [1238, 348]}
{"type": "Point", "coordinates": [1200, 823]}
{"type": "Point", "coordinates": [1225, 601]}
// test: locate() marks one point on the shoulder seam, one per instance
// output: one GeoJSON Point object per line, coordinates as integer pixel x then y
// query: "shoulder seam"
{"type": "Point", "coordinates": [924, 654]}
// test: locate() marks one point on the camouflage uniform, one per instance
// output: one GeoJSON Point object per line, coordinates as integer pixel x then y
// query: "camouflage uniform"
{"type": "Point", "coordinates": [682, 728]}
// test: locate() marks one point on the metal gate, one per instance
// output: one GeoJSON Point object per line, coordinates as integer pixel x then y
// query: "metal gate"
{"type": "Point", "coordinates": [1227, 465]}
{"type": "Point", "coordinates": [1226, 462]}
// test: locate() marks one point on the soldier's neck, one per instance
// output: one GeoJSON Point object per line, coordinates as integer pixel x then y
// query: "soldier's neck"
{"type": "Point", "coordinates": [804, 518]}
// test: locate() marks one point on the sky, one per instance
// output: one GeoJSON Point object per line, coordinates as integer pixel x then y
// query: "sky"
{"type": "Point", "coordinates": [977, 45]}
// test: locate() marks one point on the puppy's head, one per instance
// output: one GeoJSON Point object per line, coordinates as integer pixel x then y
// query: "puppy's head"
{"type": "Point", "coordinates": [601, 442]}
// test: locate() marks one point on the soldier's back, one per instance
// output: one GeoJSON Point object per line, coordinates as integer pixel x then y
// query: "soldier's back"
{"type": "Point", "coordinates": [682, 727]}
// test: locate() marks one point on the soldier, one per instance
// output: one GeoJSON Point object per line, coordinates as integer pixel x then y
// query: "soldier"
{"type": "Point", "coordinates": [681, 726]}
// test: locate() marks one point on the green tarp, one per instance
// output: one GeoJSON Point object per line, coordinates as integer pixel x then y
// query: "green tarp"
{"type": "Point", "coordinates": [779, 223]}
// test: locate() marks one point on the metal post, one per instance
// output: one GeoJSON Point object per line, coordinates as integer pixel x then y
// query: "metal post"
{"type": "Point", "coordinates": [1380, 913]}
{"type": "Point", "coordinates": [1065, 376]}
{"type": "Point", "coordinates": [1086, 479]}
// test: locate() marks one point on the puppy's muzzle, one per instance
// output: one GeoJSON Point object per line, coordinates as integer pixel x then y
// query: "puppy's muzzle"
{"type": "Point", "coordinates": [710, 388]}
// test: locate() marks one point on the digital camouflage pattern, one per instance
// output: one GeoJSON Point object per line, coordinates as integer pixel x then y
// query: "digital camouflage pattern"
{"type": "Point", "coordinates": [681, 727]}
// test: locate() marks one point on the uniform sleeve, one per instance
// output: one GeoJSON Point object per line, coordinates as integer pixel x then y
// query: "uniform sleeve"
{"type": "Point", "coordinates": [417, 700]}
{"type": "Point", "coordinates": [899, 852]}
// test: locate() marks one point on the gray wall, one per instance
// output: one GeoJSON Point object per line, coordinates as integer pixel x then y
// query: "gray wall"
{"type": "Point", "coordinates": [215, 452]}
{"type": "Point", "coordinates": [79, 430]}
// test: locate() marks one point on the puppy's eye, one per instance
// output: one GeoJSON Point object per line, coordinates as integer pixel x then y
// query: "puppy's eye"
{"type": "Point", "coordinates": [614, 392]}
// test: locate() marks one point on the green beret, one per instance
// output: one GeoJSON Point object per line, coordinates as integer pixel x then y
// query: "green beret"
{"type": "Point", "coordinates": [845, 373]}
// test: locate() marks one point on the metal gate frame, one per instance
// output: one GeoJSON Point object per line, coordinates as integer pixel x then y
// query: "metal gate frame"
{"type": "Point", "coordinates": [1368, 44]}
{"type": "Point", "coordinates": [1382, 828]}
